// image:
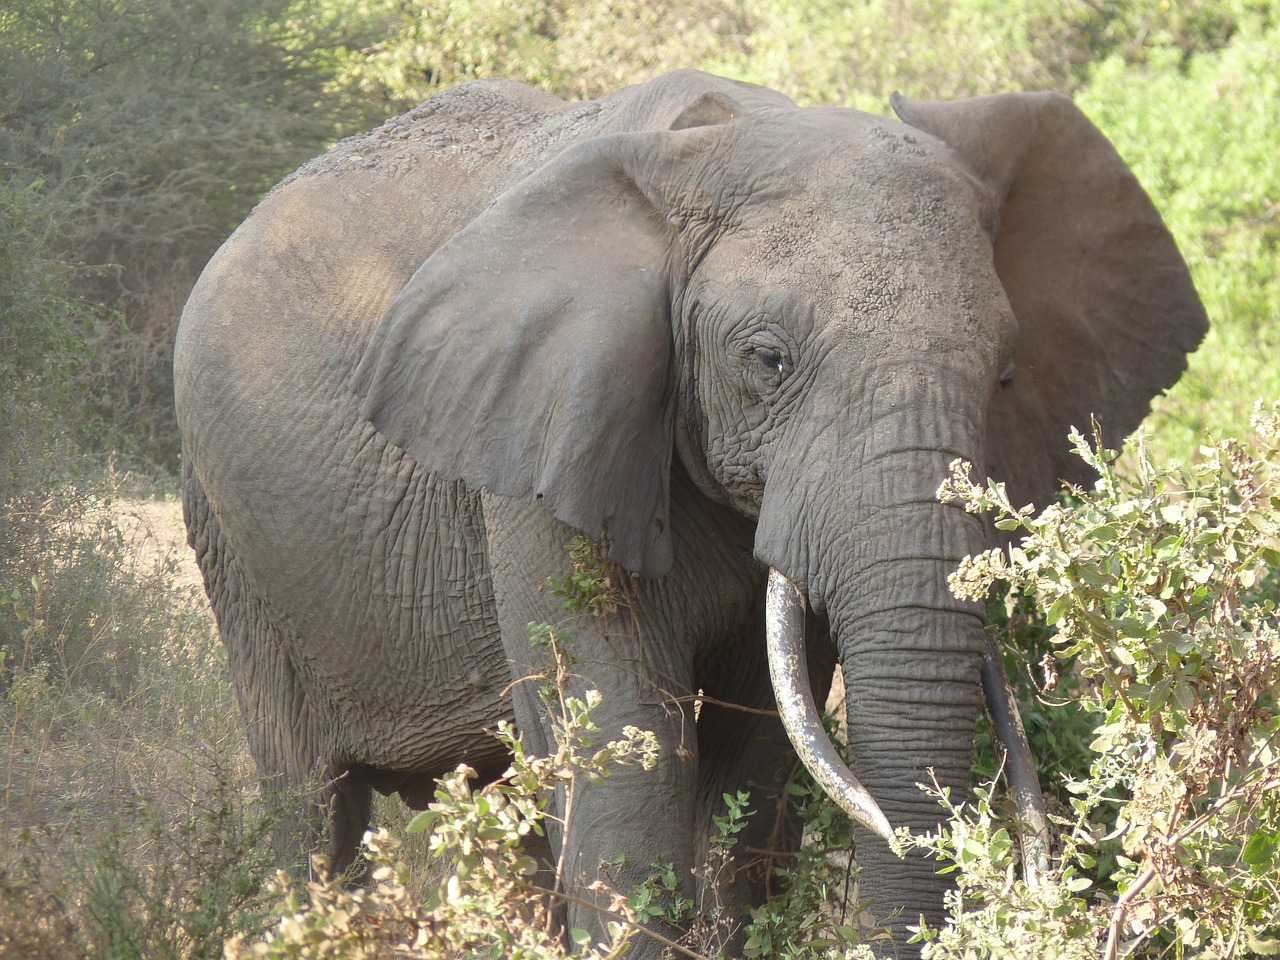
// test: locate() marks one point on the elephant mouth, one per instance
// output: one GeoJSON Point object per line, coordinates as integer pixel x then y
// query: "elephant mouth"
{"type": "Point", "coordinates": [785, 606]}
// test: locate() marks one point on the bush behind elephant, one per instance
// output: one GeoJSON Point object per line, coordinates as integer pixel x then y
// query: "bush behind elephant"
{"type": "Point", "coordinates": [722, 334]}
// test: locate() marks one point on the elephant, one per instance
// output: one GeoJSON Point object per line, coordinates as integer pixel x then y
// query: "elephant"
{"type": "Point", "coordinates": [729, 339]}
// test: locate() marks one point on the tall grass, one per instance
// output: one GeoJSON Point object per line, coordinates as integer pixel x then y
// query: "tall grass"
{"type": "Point", "coordinates": [129, 811]}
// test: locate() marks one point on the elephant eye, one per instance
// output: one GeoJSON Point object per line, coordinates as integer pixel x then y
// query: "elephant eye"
{"type": "Point", "coordinates": [766, 359]}
{"type": "Point", "coordinates": [770, 359]}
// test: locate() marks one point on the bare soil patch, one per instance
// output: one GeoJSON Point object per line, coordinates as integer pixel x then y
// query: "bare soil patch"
{"type": "Point", "coordinates": [157, 537]}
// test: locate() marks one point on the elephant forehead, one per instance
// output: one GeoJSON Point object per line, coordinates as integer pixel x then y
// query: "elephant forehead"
{"type": "Point", "coordinates": [831, 235]}
{"type": "Point", "coordinates": [839, 155]}
{"type": "Point", "coordinates": [841, 204]}
{"type": "Point", "coordinates": [850, 273]}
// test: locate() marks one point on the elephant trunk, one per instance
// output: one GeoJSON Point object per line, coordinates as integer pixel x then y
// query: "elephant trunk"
{"type": "Point", "coordinates": [859, 528]}
{"type": "Point", "coordinates": [912, 658]}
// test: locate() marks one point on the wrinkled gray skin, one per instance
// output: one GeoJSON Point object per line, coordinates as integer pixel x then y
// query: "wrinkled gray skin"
{"type": "Point", "coordinates": [723, 331]}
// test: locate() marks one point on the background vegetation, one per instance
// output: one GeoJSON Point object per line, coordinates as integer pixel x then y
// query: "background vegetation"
{"type": "Point", "coordinates": [135, 134]}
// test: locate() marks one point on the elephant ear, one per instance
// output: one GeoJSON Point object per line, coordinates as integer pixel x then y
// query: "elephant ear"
{"type": "Point", "coordinates": [531, 354]}
{"type": "Point", "coordinates": [1105, 305]}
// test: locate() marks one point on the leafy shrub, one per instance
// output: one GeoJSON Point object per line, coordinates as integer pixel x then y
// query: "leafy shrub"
{"type": "Point", "coordinates": [815, 913]}
{"type": "Point", "coordinates": [45, 334]}
{"type": "Point", "coordinates": [47, 340]}
{"type": "Point", "coordinates": [1163, 587]}
{"type": "Point", "coordinates": [153, 126]}
{"type": "Point", "coordinates": [579, 50]}
{"type": "Point", "coordinates": [489, 903]}
{"type": "Point", "coordinates": [1047, 687]}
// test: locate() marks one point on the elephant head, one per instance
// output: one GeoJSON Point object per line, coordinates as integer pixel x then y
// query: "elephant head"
{"type": "Point", "coordinates": [811, 313]}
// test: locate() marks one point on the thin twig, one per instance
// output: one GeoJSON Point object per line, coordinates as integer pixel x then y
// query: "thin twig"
{"type": "Point", "coordinates": [1112, 950]}
{"type": "Point", "coordinates": [1232, 793]}
{"type": "Point", "coordinates": [570, 791]}
{"type": "Point", "coordinates": [695, 697]}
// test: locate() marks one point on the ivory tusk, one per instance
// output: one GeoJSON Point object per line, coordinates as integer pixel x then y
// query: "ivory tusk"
{"type": "Point", "coordinates": [789, 671]}
{"type": "Point", "coordinates": [1019, 767]}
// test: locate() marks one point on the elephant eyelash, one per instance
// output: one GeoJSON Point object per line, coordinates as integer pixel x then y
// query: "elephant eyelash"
{"type": "Point", "coordinates": [768, 369]}
{"type": "Point", "coordinates": [768, 356]}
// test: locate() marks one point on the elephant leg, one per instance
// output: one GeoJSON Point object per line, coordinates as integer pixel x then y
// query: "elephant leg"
{"type": "Point", "coordinates": [281, 727]}
{"type": "Point", "coordinates": [350, 805]}
{"type": "Point", "coordinates": [619, 828]}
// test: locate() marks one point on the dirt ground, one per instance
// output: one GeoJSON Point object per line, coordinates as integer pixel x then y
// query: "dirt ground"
{"type": "Point", "coordinates": [157, 536]}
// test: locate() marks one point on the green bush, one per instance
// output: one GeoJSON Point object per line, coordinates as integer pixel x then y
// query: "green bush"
{"type": "Point", "coordinates": [153, 126]}
{"type": "Point", "coordinates": [575, 49]}
{"type": "Point", "coordinates": [46, 340]}
{"type": "Point", "coordinates": [1163, 590]}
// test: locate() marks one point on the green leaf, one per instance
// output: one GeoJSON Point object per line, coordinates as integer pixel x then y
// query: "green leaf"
{"type": "Point", "coordinates": [1057, 609]}
{"type": "Point", "coordinates": [1184, 694]}
{"type": "Point", "coordinates": [422, 822]}
{"type": "Point", "coordinates": [1159, 695]}
{"type": "Point", "coordinates": [1260, 849]}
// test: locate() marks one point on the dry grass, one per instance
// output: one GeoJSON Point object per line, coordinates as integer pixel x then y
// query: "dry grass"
{"type": "Point", "coordinates": [131, 823]}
